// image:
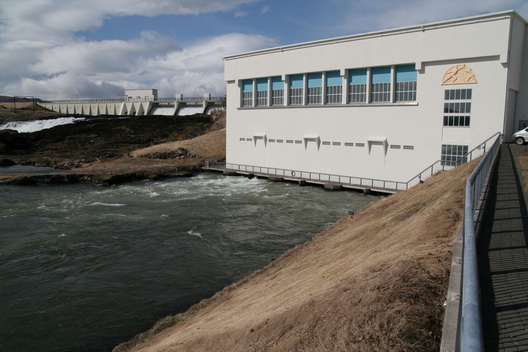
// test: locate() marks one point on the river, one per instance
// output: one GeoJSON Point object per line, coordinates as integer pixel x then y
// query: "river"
{"type": "Point", "coordinates": [85, 267]}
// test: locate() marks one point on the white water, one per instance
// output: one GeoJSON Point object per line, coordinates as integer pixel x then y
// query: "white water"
{"type": "Point", "coordinates": [163, 111]}
{"type": "Point", "coordinates": [38, 125]}
{"type": "Point", "coordinates": [190, 110]}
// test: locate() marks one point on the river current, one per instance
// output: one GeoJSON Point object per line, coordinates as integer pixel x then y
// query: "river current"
{"type": "Point", "coordinates": [84, 267]}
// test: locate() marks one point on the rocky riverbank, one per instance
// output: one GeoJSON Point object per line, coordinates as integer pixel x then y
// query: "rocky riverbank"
{"type": "Point", "coordinates": [110, 150]}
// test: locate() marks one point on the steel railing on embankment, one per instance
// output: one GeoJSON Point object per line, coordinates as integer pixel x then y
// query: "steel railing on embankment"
{"type": "Point", "coordinates": [309, 176]}
{"type": "Point", "coordinates": [463, 322]}
{"type": "Point", "coordinates": [353, 181]}
{"type": "Point", "coordinates": [470, 320]}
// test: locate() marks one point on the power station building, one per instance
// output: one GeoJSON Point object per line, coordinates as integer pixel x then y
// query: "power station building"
{"type": "Point", "coordinates": [381, 105]}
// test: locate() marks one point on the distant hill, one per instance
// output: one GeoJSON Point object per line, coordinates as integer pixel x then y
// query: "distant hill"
{"type": "Point", "coordinates": [6, 98]}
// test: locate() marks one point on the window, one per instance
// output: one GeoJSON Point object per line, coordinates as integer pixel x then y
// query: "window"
{"type": "Point", "coordinates": [262, 92]}
{"type": "Point", "coordinates": [381, 84]}
{"type": "Point", "coordinates": [296, 89]}
{"type": "Point", "coordinates": [334, 87]}
{"type": "Point", "coordinates": [315, 88]}
{"type": "Point", "coordinates": [358, 86]}
{"type": "Point", "coordinates": [277, 91]}
{"type": "Point", "coordinates": [454, 155]}
{"type": "Point", "coordinates": [457, 107]}
{"type": "Point", "coordinates": [406, 78]}
{"type": "Point", "coordinates": [247, 92]}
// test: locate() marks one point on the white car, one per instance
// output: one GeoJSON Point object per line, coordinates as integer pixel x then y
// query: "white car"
{"type": "Point", "coordinates": [521, 137]}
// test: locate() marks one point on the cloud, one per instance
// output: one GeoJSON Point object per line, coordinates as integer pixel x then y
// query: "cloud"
{"type": "Point", "coordinates": [40, 53]}
{"type": "Point", "coordinates": [241, 13]}
{"type": "Point", "coordinates": [367, 15]}
{"type": "Point", "coordinates": [265, 9]}
{"type": "Point", "coordinates": [106, 68]}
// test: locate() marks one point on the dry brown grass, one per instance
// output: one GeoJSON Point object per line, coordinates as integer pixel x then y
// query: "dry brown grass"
{"type": "Point", "coordinates": [375, 281]}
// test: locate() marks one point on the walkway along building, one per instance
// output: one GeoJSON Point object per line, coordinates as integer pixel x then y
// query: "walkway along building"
{"type": "Point", "coordinates": [381, 105]}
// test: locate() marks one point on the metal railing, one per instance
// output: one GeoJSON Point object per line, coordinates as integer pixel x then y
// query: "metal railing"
{"type": "Point", "coordinates": [470, 321]}
{"type": "Point", "coordinates": [441, 166]}
{"type": "Point", "coordinates": [361, 182]}
{"type": "Point", "coordinates": [316, 177]}
{"type": "Point", "coordinates": [132, 100]}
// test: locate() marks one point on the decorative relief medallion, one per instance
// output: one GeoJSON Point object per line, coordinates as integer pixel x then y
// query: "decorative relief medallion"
{"type": "Point", "coordinates": [459, 74]}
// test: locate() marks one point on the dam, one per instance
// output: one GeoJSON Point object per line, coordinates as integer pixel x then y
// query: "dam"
{"type": "Point", "coordinates": [138, 102]}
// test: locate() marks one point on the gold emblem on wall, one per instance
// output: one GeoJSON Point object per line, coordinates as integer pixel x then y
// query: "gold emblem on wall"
{"type": "Point", "coordinates": [459, 74]}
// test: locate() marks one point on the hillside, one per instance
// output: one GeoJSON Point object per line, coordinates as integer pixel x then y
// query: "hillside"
{"type": "Point", "coordinates": [115, 150]}
{"type": "Point", "coordinates": [375, 281]}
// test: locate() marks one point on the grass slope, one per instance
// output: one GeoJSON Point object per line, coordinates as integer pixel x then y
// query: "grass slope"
{"type": "Point", "coordinates": [375, 281]}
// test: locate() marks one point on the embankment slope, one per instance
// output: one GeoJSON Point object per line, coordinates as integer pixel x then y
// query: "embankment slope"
{"type": "Point", "coordinates": [375, 281]}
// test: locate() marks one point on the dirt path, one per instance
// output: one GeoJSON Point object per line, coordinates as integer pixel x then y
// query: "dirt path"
{"type": "Point", "coordinates": [375, 281]}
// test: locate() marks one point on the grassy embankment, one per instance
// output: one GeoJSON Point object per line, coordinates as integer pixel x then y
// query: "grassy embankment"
{"type": "Point", "coordinates": [375, 281]}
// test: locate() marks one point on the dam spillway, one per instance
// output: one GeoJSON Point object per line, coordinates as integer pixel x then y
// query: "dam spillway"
{"type": "Point", "coordinates": [178, 106]}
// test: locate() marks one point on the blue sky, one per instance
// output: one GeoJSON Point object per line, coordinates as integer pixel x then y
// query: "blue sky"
{"type": "Point", "coordinates": [81, 49]}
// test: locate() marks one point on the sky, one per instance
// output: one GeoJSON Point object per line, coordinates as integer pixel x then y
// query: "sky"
{"type": "Point", "coordinates": [89, 49]}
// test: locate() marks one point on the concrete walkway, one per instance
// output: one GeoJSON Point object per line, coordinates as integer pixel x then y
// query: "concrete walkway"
{"type": "Point", "coordinates": [503, 258]}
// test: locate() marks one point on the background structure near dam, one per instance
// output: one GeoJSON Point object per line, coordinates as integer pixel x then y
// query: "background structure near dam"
{"type": "Point", "coordinates": [138, 102]}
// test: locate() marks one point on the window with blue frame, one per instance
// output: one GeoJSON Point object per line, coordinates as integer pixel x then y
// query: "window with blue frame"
{"type": "Point", "coordinates": [262, 92]}
{"type": "Point", "coordinates": [334, 87]}
{"type": "Point", "coordinates": [277, 91]}
{"type": "Point", "coordinates": [357, 90]}
{"type": "Point", "coordinates": [247, 92]}
{"type": "Point", "coordinates": [315, 88]}
{"type": "Point", "coordinates": [296, 89]}
{"type": "Point", "coordinates": [380, 84]}
{"type": "Point", "coordinates": [406, 83]}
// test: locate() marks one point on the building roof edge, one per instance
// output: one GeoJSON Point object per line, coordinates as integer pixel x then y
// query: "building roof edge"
{"type": "Point", "coordinates": [384, 32]}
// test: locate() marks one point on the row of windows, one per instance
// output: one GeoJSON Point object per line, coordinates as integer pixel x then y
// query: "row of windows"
{"type": "Point", "coordinates": [337, 144]}
{"type": "Point", "coordinates": [458, 94]}
{"type": "Point", "coordinates": [456, 121]}
{"type": "Point", "coordinates": [386, 84]}
{"type": "Point", "coordinates": [457, 108]}
{"type": "Point", "coordinates": [454, 155]}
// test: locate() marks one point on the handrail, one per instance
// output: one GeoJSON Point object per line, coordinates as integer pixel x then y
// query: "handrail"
{"type": "Point", "coordinates": [458, 162]}
{"type": "Point", "coordinates": [295, 174]}
{"type": "Point", "coordinates": [349, 180]}
{"type": "Point", "coordinates": [132, 100]}
{"type": "Point", "coordinates": [470, 321]}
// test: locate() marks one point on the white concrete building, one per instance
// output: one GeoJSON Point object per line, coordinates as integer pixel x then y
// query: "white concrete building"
{"type": "Point", "coordinates": [382, 105]}
{"type": "Point", "coordinates": [141, 94]}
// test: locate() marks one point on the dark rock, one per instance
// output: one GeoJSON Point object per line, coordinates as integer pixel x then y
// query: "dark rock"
{"type": "Point", "coordinates": [7, 162]}
{"type": "Point", "coordinates": [181, 151]}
